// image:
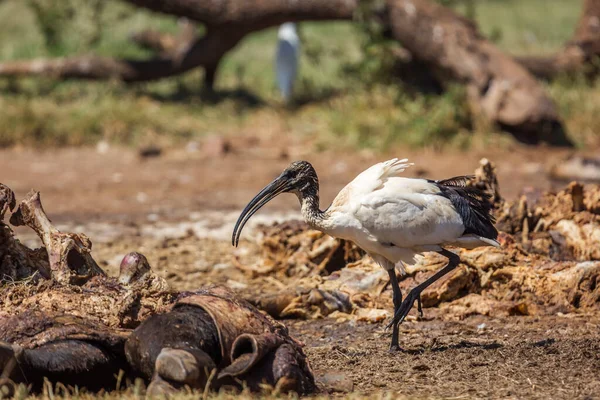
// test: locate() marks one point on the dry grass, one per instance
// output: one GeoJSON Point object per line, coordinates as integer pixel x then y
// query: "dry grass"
{"type": "Point", "coordinates": [137, 392]}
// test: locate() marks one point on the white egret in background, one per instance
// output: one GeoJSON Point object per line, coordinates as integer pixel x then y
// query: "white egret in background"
{"type": "Point", "coordinates": [391, 217]}
{"type": "Point", "coordinates": [287, 58]}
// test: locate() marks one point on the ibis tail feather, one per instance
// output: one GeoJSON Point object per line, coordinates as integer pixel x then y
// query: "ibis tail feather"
{"type": "Point", "coordinates": [473, 204]}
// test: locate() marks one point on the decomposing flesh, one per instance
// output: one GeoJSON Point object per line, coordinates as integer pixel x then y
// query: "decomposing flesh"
{"type": "Point", "coordinates": [64, 319]}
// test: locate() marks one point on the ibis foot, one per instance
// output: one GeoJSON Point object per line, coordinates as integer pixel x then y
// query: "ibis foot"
{"type": "Point", "coordinates": [394, 348]}
{"type": "Point", "coordinates": [419, 306]}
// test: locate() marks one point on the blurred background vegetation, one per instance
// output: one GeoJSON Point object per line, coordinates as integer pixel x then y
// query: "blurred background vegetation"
{"type": "Point", "coordinates": [345, 93]}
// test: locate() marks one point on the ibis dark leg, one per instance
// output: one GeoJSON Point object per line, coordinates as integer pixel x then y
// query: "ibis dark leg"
{"type": "Point", "coordinates": [397, 297]}
{"type": "Point", "coordinates": [419, 306]}
{"type": "Point", "coordinates": [415, 293]}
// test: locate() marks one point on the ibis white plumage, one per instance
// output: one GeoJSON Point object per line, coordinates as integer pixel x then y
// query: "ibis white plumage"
{"type": "Point", "coordinates": [286, 60]}
{"type": "Point", "coordinates": [391, 217]}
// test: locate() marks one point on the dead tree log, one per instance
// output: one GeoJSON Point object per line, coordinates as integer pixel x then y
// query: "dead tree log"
{"type": "Point", "coordinates": [226, 24]}
{"type": "Point", "coordinates": [579, 55]}
{"type": "Point", "coordinates": [498, 86]}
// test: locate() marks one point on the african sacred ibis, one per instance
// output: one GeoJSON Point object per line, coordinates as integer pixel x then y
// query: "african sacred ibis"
{"type": "Point", "coordinates": [286, 62]}
{"type": "Point", "coordinates": [391, 217]}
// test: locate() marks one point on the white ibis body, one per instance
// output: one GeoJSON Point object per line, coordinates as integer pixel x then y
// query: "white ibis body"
{"type": "Point", "coordinates": [391, 217]}
{"type": "Point", "coordinates": [286, 59]}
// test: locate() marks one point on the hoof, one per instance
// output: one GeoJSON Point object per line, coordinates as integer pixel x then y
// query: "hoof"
{"type": "Point", "coordinates": [177, 365]}
{"type": "Point", "coordinates": [7, 388]}
{"type": "Point", "coordinates": [159, 388]}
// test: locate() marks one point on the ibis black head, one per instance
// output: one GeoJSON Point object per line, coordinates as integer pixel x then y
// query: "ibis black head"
{"type": "Point", "coordinates": [299, 178]}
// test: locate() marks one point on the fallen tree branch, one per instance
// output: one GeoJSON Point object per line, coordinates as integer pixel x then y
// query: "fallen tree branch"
{"type": "Point", "coordinates": [498, 86]}
{"type": "Point", "coordinates": [579, 55]}
{"type": "Point", "coordinates": [226, 24]}
{"type": "Point", "coordinates": [206, 52]}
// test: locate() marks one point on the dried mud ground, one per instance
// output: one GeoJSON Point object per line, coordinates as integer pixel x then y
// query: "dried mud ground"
{"type": "Point", "coordinates": [178, 209]}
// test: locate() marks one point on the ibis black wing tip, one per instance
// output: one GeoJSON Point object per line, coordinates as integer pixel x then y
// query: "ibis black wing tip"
{"type": "Point", "coordinates": [457, 181]}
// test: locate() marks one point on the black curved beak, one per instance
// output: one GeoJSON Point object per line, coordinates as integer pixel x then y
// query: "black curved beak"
{"type": "Point", "coordinates": [278, 186]}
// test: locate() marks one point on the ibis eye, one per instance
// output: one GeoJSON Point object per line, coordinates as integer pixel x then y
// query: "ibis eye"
{"type": "Point", "coordinates": [290, 174]}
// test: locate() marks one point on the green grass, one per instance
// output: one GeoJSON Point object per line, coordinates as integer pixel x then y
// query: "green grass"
{"type": "Point", "coordinates": [337, 107]}
{"type": "Point", "coordinates": [526, 27]}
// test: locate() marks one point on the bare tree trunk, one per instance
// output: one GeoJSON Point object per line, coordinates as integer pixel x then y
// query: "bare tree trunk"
{"type": "Point", "coordinates": [498, 86]}
{"type": "Point", "coordinates": [578, 55]}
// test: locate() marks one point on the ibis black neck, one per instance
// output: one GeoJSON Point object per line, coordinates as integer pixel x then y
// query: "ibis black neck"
{"type": "Point", "coordinates": [309, 200]}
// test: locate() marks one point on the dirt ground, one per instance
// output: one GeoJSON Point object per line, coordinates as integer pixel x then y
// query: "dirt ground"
{"type": "Point", "coordinates": [179, 209]}
{"type": "Point", "coordinates": [516, 357]}
{"type": "Point", "coordinates": [118, 183]}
